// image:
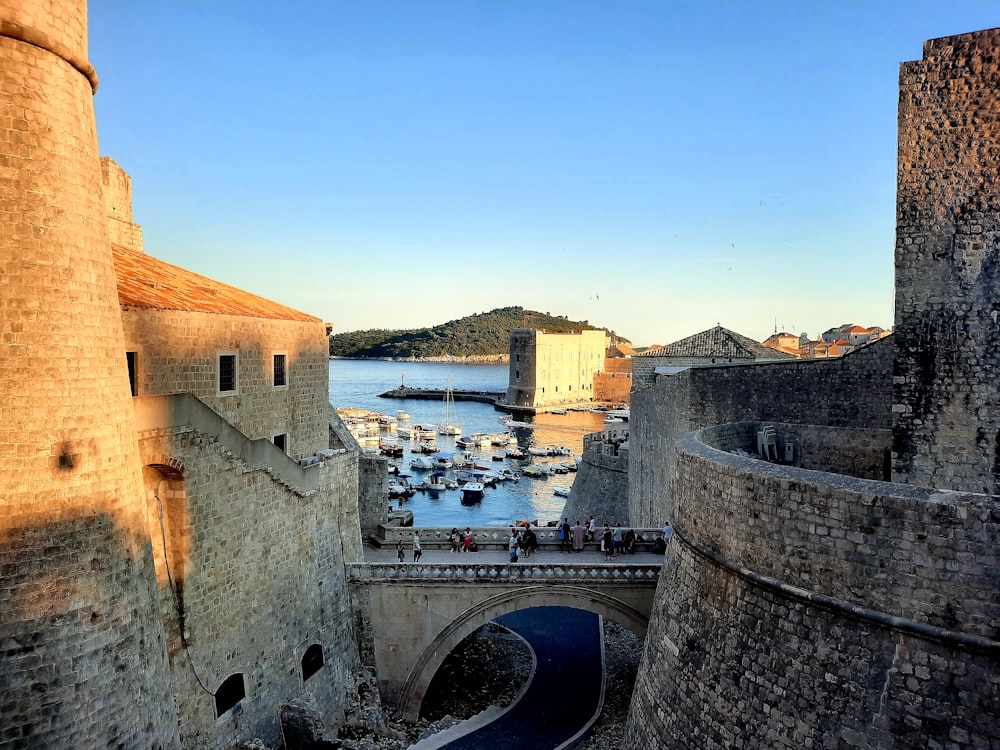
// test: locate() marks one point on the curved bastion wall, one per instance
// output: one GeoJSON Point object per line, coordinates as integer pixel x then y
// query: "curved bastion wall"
{"type": "Point", "coordinates": [850, 391]}
{"type": "Point", "coordinates": [600, 488]}
{"type": "Point", "coordinates": [85, 658]}
{"type": "Point", "coordinates": [800, 608]}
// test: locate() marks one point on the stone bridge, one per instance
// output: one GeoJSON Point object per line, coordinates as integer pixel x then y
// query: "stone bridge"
{"type": "Point", "coordinates": [411, 616]}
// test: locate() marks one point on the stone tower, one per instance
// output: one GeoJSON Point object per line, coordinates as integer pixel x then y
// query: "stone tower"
{"type": "Point", "coordinates": [83, 659]}
{"type": "Point", "coordinates": [946, 403]}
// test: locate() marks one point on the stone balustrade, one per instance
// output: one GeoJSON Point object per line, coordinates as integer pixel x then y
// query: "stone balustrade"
{"type": "Point", "coordinates": [499, 572]}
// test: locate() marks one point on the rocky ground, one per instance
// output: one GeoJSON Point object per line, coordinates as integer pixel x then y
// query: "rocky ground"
{"type": "Point", "coordinates": [490, 668]}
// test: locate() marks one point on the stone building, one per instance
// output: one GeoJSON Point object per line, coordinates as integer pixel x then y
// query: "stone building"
{"type": "Point", "coordinates": [716, 346]}
{"type": "Point", "coordinates": [171, 475]}
{"type": "Point", "coordinates": [845, 595]}
{"type": "Point", "coordinates": [553, 369]}
{"type": "Point", "coordinates": [614, 382]}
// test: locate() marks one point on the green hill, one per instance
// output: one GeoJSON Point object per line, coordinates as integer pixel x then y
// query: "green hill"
{"type": "Point", "coordinates": [485, 336]}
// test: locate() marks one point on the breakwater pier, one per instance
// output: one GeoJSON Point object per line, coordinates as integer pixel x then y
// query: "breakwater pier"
{"type": "Point", "coordinates": [437, 394]}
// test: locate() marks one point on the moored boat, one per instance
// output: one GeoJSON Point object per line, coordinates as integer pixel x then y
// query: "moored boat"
{"type": "Point", "coordinates": [472, 493]}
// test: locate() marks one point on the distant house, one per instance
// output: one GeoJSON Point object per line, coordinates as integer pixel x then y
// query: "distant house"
{"type": "Point", "coordinates": [714, 347]}
{"type": "Point", "coordinates": [783, 342]}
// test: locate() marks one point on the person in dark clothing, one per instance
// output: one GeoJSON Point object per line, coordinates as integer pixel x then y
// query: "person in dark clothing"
{"type": "Point", "coordinates": [564, 536]}
{"type": "Point", "coordinates": [628, 541]}
{"type": "Point", "coordinates": [608, 543]}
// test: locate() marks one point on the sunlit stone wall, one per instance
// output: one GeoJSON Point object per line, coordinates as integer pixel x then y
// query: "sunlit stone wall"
{"type": "Point", "coordinates": [84, 662]}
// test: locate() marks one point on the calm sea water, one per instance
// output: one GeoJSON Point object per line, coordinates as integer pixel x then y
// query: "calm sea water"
{"type": "Point", "coordinates": [357, 383]}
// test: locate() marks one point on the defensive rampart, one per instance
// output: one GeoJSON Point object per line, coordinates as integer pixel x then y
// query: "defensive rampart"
{"type": "Point", "coordinates": [600, 488]}
{"type": "Point", "coordinates": [851, 391]}
{"type": "Point", "coordinates": [814, 609]}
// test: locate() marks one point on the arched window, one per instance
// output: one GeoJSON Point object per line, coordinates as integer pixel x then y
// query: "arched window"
{"type": "Point", "coordinates": [229, 693]}
{"type": "Point", "coordinates": [312, 660]}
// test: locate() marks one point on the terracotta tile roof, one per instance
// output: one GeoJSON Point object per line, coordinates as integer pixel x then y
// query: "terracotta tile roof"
{"type": "Point", "coordinates": [146, 282]}
{"type": "Point", "coordinates": [717, 342]}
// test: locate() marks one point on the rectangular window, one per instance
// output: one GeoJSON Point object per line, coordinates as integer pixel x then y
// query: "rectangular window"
{"type": "Point", "coordinates": [130, 358]}
{"type": "Point", "coordinates": [281, 441]}
{"type": "Point", "coordinates": [227, 373]}
{"type": "Point", "coordinates": [280, 378]}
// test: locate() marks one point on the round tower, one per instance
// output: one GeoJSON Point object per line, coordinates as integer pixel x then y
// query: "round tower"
{"type": "Point", "coordinates": [84, 661]}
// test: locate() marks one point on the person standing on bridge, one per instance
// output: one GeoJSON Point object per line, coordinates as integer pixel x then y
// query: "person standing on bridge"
{"type": "Point", "coordinates": [607, 542]}
{"type": "Point", "coordinates": [564, 532]}
{"type": "Point", "coordinates": [399, 548]}
{"type": "Point", "coordinates": [417, 552]}
{"type": "Point", "coordinates": [591, 529]}
{"type": "Point", "coordinates": [578, 536]}
{"type": "Point", "coordinates": [512, 545]}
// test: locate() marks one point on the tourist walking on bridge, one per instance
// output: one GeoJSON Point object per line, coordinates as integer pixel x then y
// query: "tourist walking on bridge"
{"type": "Point", "coordinates": [417, 552]}
{"type": "Point", "coordinates": [564, 532]}
{"type": "Point", "coordinates": [607, 542]}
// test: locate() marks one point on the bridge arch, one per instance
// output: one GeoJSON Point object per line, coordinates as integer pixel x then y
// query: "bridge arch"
{"type": "Point", "coordinates": [420, 676]}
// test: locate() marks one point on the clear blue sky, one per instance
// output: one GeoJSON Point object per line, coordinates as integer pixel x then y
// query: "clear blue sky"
{"type": "Point", "coordinates": [654, 167]}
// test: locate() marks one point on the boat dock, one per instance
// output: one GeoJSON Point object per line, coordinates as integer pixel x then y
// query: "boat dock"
{"type": "Point", "coordinates": [437, 394]}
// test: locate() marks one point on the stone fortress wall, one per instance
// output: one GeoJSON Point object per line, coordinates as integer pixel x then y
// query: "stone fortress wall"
{"type": "Point", "coordinates": [803, 608]}
{"type": "Point", "coordinates": [600, 488]}
{"type": "Point", "coordinates": [549, 369]}
{"type": "Point", "coordinates": [173, 585]}
{"type": "Point", "coordinates": [117, 189]}
{"type": "Point", "coordinates": [853, 391]}
{"type": "Point", "coordinates": [946, 403]}
{"type": "Point", "coordinates": [251, 569]}
{"type": "Point", "coordinates": [78, 586]}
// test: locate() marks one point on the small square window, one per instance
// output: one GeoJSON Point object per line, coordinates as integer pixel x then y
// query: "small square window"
{"type": "Point", "coordinates": [280, 378]}
{"type": "Point", "coordinates": [227, 373]}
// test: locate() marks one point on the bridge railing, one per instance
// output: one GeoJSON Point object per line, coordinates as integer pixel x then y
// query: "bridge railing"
{"type": "Point", "coordinates": [497, 572]}
{"type": "Point", "coordinates": [495, 537]}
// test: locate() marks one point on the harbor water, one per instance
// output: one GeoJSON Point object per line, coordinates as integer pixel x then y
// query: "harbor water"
{"type": "Point", "coordinates": [358, 383]}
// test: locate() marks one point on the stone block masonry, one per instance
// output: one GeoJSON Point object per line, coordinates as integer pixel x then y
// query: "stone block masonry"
{"type": "Point", "coordinates": [807, 609]}
{"type": "Point", "coordinates": [851, 391]}
{"type": "Point", "coordinates": [257, 570]}
{"type": "Point", "coordinates": [82, 636]}
{"type": "Point", "coordinates": [600, 488]}
{"type": "Point", "coordinates": [946, 405]}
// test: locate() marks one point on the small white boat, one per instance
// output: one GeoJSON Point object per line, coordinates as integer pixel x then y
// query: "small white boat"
{"type": "Point", "coordinates": [435, 483]}
{"type": "Point", "coordinates": [538, 450]}
{"type": "Point", "coordinates": [421, 462]}
{"type": "Point", "coordinates": [561, 491]}
{"type": "Point", "coordinates": [442, 461]}
{"type": "Point", "coordinates": [569, 465]}
{"type": "Point", "coordinates": [402, 416]}
{"type": "Point", "coordinates": [404, 432]}
{"type": "Point", "coordinates": [536, 470]}
{"type": "Point", "coordinates": [424, 431]}
{"type": "Point", "coordinates": [559, 411]}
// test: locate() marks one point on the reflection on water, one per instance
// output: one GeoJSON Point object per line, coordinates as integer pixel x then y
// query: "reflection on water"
{"type": "Point", "coordinates": [357, 383]}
